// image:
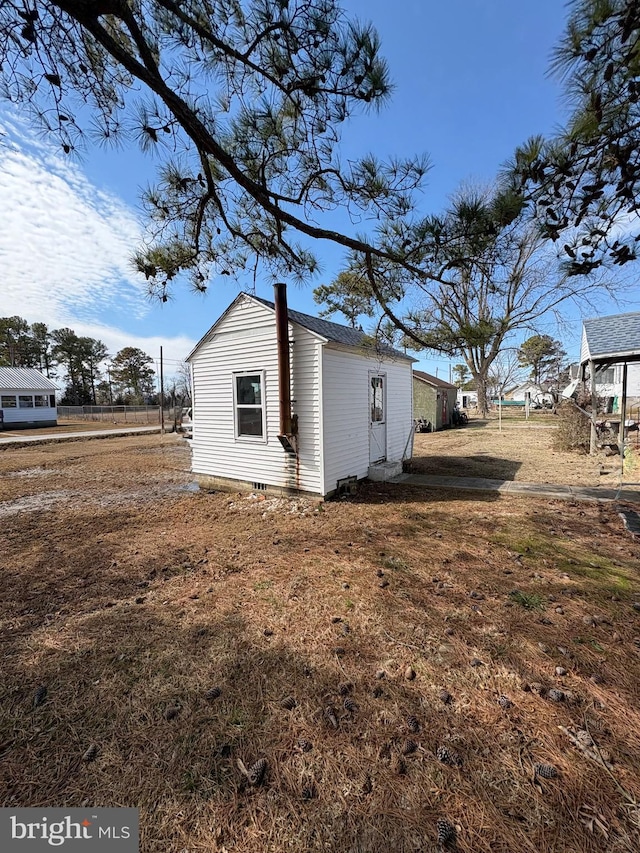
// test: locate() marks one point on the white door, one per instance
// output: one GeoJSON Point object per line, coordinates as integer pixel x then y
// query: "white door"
{"type": "Point", "coordinates": [378, 417]}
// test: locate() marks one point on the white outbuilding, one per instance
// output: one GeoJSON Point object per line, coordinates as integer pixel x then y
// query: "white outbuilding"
{"type": "Point", "coordinates": [27, 398]}
{"type": "Point", "coordinates": [289, 402]}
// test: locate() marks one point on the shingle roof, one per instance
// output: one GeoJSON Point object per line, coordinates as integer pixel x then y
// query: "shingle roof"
{"type": "Point", "coordinates": [611, 336]}
{"type": "Point", "coordinates": [433, 380]}
{"type": "Point", "coordinates": [337, 333]}
{"type": "Point", "coordinates": [25, 379]}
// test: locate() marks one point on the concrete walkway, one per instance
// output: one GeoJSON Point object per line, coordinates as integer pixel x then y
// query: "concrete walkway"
{"type": "Point", "coordinates": [17, 439]}
{"type": "Point", "coordinates": [629, 491]}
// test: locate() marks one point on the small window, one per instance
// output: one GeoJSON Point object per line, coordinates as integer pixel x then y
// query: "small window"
{"type": "Point", "coordinates": [42, 401]}
{"type": "Point", "coordinates": [52, 401]}
{"type": "Point", "coordinates": [377, 399]}
{"type": "Point", "coordinates": [605, 377]}
{"type": "Point", "coordinates": [25, 401]}
{"type": "Point", "coordinates": [8, 401]}
{"type": "Point", "coordinates": [249, 405]}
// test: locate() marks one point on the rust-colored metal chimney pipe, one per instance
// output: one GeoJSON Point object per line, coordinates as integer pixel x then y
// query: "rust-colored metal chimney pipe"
{"type": "Point", "coordinates": [284, 367]}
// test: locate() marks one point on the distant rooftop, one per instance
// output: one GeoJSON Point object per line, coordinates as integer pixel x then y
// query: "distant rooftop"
{"type": "Point", "coordinates": [433, 380]}
{"type": "Point", "coordinates": [25, 379]}
{"type": "Point", "coordinates": [613, 337]}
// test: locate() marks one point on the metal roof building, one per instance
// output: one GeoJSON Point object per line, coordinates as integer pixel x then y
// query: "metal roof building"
{"type": "Point", "coordinates": [27, 398]}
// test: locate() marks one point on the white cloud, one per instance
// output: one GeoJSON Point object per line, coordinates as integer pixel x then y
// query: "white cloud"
{"type": "Point", "coordinates": [174, 349]}
{"type": "Point", "coordinates": [65, 247]}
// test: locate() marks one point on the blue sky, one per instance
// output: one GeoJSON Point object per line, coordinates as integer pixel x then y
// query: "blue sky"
{"type": "Point", "coordinates": [471, 84]}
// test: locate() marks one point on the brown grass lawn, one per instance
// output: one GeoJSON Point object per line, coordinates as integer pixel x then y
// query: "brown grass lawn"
{"type": "Point", "coordinates": [524, 451]}
{"type": "Point", "coordinates": [129, 597]}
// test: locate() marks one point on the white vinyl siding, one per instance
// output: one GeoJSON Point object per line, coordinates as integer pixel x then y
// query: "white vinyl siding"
{"type": "Point", "coordinates": [346, 411]}
{"type": "Point", "coordinates": [244, 341]}
{"type": "Point", "coordinates": [20, 406]}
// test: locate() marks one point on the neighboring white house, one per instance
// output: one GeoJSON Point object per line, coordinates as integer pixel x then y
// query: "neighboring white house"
{"type": "Point", "coordinates": [467, 399]}
{"type": "Point", "coordinates": [608, 382]}
{"type": "Point", "coordinates": [27, 398]}
{"type": "Point", "coordinates": [610, 343]}
{"type": "Point", "coordinates": [349, 413]}
{"type": "Point", "coordinates": [538, 394]}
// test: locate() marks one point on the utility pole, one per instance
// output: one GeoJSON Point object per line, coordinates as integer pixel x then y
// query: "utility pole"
{"type": "Point", "coordinates": [161, 395]}
{"type": "Point", "coordinates": [110, 389]}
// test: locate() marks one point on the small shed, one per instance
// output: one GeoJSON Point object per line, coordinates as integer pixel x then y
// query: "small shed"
{"type": "Point", "coordinates": [433, 399]}
{"type": "Point", "coordinates": [289, 402]}
{"type": "Point", "coordinates": [607, 342]}
{"type": "Point", "coordinates": [27, 399]}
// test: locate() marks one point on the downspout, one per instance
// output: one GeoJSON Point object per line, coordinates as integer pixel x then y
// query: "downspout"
{"type": "Point", "coordinates": [288, 422]}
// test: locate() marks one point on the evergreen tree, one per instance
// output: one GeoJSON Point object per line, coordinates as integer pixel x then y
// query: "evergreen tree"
{"type": "Point", "coordinates": [350, 295]}
{"type": "Point", "coordinates": [241, 101]}
{"type": "Point", "coordinates": [41, 338]}
{"type": "Point", "coordinates": [460, 374]}
{"type": "Point", "coordinates": [132, 374]}
{"type": "Point", "coordinates": [15, 344]}
{"type": "Point", "coordinates": [543, 354]}
{"type": "Point", "coordinates": [584, 185]}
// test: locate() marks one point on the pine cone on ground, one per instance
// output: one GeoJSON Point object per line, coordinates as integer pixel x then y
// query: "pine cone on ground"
{"type": "Point", "coordinates": [289, 703]}
{"type": "Point", "coordinates": [255, 773]}
{"type": "Point", "coordinates": [412, 724]}
{"type": "Point", "coordinates": [91, 753]}
{"type": "Point", "coordinates": [40, 696]}
{"type": "Point", "coordinates": [345, 688]}
{"type": "Point", "coordinates": [504, 702]}
{"type": "Point", "coordinates": [445, 696]}
{"type": "Point", "coordinates": [448, 756]}
{"type": "Point", "coordinates": [546, 771]}
{"type": "Point", "coordinates": [350, 705]}
{"type": "Point", "coordinates": [213, 693]}
{"type": "Point", "coordinates": [446, 832]}
{"type": "Point", "coordinates": [409, 747]}
{"type": "Point", "coordinates": [331, 716]}
{"type": "Point", "coordinates": [304, 745]}
{"type": "Point", "coordinates": [555, 695]}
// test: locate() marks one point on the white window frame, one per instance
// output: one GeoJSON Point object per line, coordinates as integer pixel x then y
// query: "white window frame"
{"type": "Point", "coordinates": [6, 397]}
{"type": "Point", "coordinates": [22, 405]}
{"type": "Point", "coordinates": [253, 439]}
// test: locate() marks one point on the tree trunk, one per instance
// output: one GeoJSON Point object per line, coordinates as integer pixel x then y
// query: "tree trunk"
{"type": "Point", "coordinates": [483, 400]}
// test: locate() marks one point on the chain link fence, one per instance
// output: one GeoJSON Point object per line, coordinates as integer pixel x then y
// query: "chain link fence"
{"type": "Point", "coordinates": [114, 414]}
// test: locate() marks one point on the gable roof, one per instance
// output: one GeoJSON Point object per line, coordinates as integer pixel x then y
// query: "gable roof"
{"type": "Point", "coordinates": [611, 339]}
{"type": "Point", "coordinates": [330, 332]}
{"type": "Point", "coordinates": [25, 379]}
{"type": "Point", "coordinates": [433, 380]}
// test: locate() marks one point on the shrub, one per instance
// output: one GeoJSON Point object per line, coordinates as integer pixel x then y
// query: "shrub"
{"type": "Point", "coordinates": [574, 428]}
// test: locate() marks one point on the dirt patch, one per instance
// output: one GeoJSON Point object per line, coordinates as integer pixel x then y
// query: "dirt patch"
{"type": "Point", "coordinates": [396, 659]}
{"type": "Point", "coordinates": [521, 451]}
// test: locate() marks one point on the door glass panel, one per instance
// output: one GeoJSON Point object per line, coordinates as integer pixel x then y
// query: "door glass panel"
{"type": "Point", "coordinates": [377, 400]}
